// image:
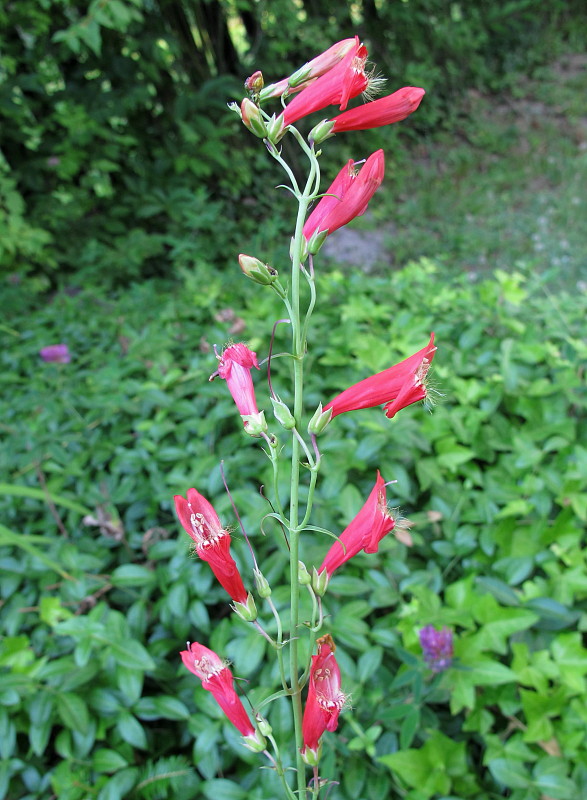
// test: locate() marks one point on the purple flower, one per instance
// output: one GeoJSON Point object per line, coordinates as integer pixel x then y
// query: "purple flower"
{"type": "Point", "coordinates": [57, 353]}
{"type": "Point", "coordinates": [437, 647]}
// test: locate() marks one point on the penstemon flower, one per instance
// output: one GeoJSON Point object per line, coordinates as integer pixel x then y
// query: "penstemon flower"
{"type": "Point", "coordinates": [325, 699]}
{"type": "Point", "coordinates": [236, 363]}
{"type": "Point", "coordinates": [217, 679]}
{"type": "Point", "coordinates": [336, 87]}
{"type": "Point", "coordinates": [212, 541]}
{"type": "Point", "coordinates": [305, 75]}
{"type": "Point", "coordinates": [367, 529]}
{"type": "Point", "coordinates": [347, 197]}
{"type": "Point", "coordinates": [397, 387]}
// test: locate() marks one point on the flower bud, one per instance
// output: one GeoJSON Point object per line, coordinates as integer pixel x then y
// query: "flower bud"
{"type": "Point", "coordinates": [248, 610]}
{"type": "Point", "coordinates": [275, 128]}
{"type": "Point", "coordinates": [252, 118]}
{"type": "Point", "coordinates": [254, 424]}
{"type": "Point", "coordinates": [303, 254]}
{"type": "Point", "coordinates": [256, 270]}
{"type": "Point", "coordinates": [263, 588]}
{"type": "Point", "coordinates": [255, 82]}
{"type": "Point", "coordinates": [264, 727]}
{"type": "Point", "coordinates": [321, 131]}
{"type": "Point", "coordinates": [319, 421]}
{"type": "Point", "coordinates": [304, 578]}
{"type": "Point", "coordinates": [319, 582]}
{"type": "Point", "coordinates": [282, 414]}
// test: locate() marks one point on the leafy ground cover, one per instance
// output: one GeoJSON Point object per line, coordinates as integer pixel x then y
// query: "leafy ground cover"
{"type": "Point", "coordinates": [99, 591]}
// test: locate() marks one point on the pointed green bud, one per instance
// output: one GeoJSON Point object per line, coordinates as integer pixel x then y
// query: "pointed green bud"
{"type": "Point", "coordinates": [264, 727]}
{"type": "Point", "coordinates": [252, 118]}
{"type": "Point", "coordinates": [319, 582]}
{"type": "Point", "coordinates": [304, 578]}
{"type": "Point", "coordinates": [319, 421]}
{"type": "Point", "coordinates": [263, 588]}
{"type": "Point", "coordinates": [246, 611]}
{"type": "Point", "coordinates": [321, 131]}
{"type": "Point", "coordinates": [256, 270]}
{"type": "Point", "coordinates": [282, 414]}
{"type": "Point", "coordinates": [255, 424]}
{"type": "Point", "coordinates": [275, 129]}
{"type": "Point", "coordinates": [303, 254]}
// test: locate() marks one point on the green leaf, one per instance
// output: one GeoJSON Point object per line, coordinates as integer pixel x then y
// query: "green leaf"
{"type": "Point", "coordinates": [45, 495]}
{"type": "Point", "coordinates": [9, 538]}
{"type": "Point", "coordinates": [134, 575]}
{"type": "Point", "coordinates": [105, 760]}
{"type": "Point", "coordinates": [73, 711]}
{"type": "Point", "coordinates": [131, 730]}
{"type": "Point", "coordinates": [512, 774]}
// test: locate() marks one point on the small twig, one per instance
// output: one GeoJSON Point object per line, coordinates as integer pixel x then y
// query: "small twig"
{"type": "Point", "coordinates": [50, 503]}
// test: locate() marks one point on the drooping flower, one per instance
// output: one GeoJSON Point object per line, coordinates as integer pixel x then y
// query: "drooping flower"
{"type": "Point", "coordinates": [212, 541]}
{"type": "Point", "coordinates": [311, 70]}
{"type": "Point", "coordinates": [236, 363]}
{"type": "Point", "coordinates": [365, 532]}
{"type": "Point", "coordinates": [437, 647]}
{"type": "Point", "coordinates": [325, 699]}
{"type": "Point", "coordinates": [397, 387]}
{"type": "Point", "coordinates": [340, 84]}
{"type": "Point", "coordinates": [56, 353]}
{"type": "Point", "coordinates": [384, 111]}
{"type": "Point", "coordinates": [347, 197]}
{"type": "Point", "coordinates": [217, 679]}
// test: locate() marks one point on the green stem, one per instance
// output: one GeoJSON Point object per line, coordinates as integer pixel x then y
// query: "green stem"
{"type": "Point", "coordinates": [298, 354]}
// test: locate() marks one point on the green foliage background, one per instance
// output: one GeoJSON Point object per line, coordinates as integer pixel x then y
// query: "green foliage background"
{"type": "Point", "coordinates": [121, 214]}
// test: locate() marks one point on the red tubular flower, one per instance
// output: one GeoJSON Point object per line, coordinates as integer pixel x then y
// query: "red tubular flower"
{"type": "Point", "coordinates": [347, 197]}
{"type": "Point", "coordinates": [217, 679]}
{"type": "Point", "coordinates": [393, 108]}
{"type": "Point", "coordinates": [235, 367]}
{"type": "Point", "coordinates": [336, 87]}
{"type": "Point", "coordinates": [212, 542]}
{"type": "Point", "coordinates": [397, 387]}
{"type": "Point", "coordinates": [325, 699]}
{"type": "Point", "coordinates": [313, 69]}
{"type": "Point", "coordinates": [365, 532]}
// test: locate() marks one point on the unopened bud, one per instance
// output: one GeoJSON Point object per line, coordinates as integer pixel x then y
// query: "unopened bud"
{"type": "Point", "coordinates": [304, 578]}
{"type": "Point", "coordinates": [264, 727]}
{"type": "Point", "coordinates": [254, 424]}
{"type": "Point", "coordinates": [256, 270]}
{"type": "Point", "coordinates": [275, 128]}
{"type": "Point", "coordinates": [319, 421]}
{"type": "Point", "coordinates": [303, 254]}
{"type": "Point", "coordinates": [320, 582]}
{"type": "Point", "coordinates": [321, 131]}
{"type": "Point", "coordinates": [246, 611]}
{"type": "Point", "coordinates": [263, 588]}
{"type": "Point", "coordinates": [282, 414]}
{"type": "Point", "coordinates": [252, 118]}
{"type": "Point", "coordinates": [254, 83]}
